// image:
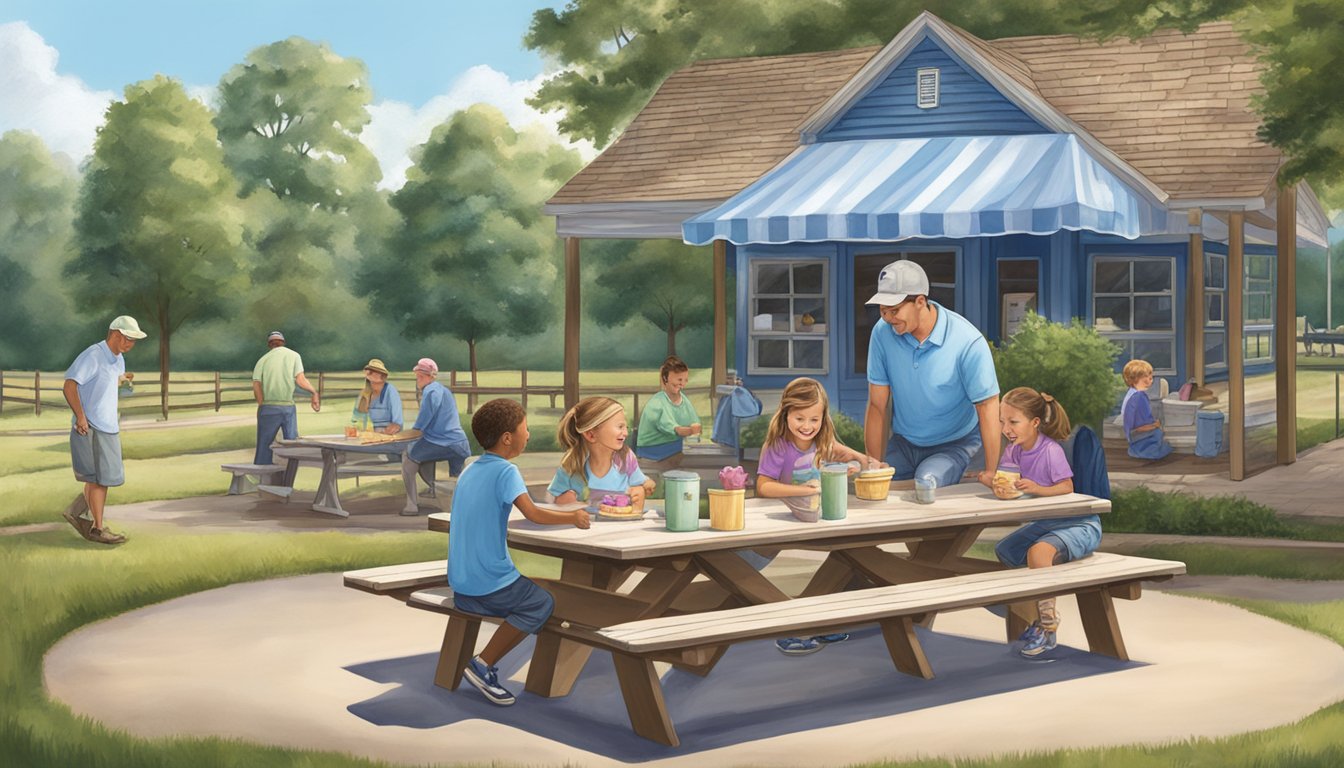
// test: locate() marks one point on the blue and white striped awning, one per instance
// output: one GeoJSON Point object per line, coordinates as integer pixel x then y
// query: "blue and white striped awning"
{"type": "Point", "coordinates": [892, 189]}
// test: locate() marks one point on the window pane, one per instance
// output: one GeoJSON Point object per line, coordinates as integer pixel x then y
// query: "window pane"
{"type": "Point", "coordinates": [1215, 352]}
{"type": "Point", "coordinates": [1152, 276]}
{"type": "Point", "coordinates": [772, 278]}
{"type": "Point", "coordinates": [1111, 277]}
{"type": "Point", "coordinates": [809, 315]}
{"type": "Point", "coordinates": [808, 354]}
{"type": "Point", "coordinates": [944, 296]}
{"type": "Point", "coordinates": [1112, 314]}
{"type": "Point", "coordinates": [807, 278]}
{"type": "Point", "coordinates": [1215, 272]}
{"type": "Point", "coordinates": [1157, 353]}
{"type": "Point", "coordinates": [1259, 267]}
{"type": "Point", "coordinates": [772, 353]}
{"type": "Point", "coordinates": [771, 315]}
{"type": "Point", "coordinates": [1213, 307]}
{"type": "Point", "coordinates": [940, 267]}
{"type": "Point", "coordinates": [1151, 313]}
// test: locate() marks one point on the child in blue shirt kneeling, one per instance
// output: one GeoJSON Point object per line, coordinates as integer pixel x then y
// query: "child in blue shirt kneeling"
{"type": "Point", "coordinates": [480, 571]}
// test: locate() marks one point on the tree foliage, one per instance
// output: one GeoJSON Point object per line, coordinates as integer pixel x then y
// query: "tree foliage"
{"type": "Point", "coordinates": [613, 54]}
{"type": "Point", "coordinates": [1073, 363]}
{"type": "Point", "coordinates": [37, 212]}
{"type": "Point", "coordinates": [665, 282]}
{"type": "Point", "coordinates": [159, 226]}
{"type": "Point", "coordinates": [473, 258]}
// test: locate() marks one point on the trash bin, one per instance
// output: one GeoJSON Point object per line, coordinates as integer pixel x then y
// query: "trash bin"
{"type": "Point", "coordinates": [1209, 433]}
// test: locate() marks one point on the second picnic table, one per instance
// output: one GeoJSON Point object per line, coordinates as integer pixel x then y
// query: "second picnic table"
{"type": "Point", "coordinates": [336, 451]}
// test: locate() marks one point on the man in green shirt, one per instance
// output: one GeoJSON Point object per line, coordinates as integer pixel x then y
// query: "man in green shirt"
{"type": "Point", "coordinates": [273, 381]}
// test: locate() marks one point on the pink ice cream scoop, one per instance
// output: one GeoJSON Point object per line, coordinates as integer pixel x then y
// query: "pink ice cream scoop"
{"type": "Point", "coordinates": [733, 478]}
{"type": "Point", "coordinates": [616, 500]}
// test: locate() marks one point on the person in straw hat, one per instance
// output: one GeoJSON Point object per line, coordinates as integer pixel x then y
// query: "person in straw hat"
{"type": "Point", "coordinates": [379, 403]}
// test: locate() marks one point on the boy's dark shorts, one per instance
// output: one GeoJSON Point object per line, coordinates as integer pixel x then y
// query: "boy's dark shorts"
{"type": "Point", "coordinates": [522, 604]}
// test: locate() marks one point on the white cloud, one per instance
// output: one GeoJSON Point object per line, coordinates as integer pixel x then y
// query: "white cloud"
{"type": "Point", "coordinates": [61, 109]}
{"type": "Point", "coordinates": [396, 127]}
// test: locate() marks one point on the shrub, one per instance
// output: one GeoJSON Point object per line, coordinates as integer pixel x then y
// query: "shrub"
{"type": "Point", "coordinates": [1140, 510]}
{"type": "Point", "coordinates": [1073, 363]}
{"type": "Point", "coordinates": [847, 431]}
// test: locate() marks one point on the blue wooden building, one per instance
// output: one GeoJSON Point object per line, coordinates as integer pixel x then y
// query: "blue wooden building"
{"type": "Point", "coordinates": [1118, 182]}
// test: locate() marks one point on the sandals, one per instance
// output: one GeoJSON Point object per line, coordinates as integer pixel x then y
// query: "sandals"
{"type": "Point", "coordinates": [802, 646]}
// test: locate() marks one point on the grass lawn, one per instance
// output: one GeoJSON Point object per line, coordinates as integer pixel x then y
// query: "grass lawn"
{"type": "Point", "coordinates": [55, 584]}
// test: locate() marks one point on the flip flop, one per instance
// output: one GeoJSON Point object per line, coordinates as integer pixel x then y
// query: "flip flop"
{"type": "Point", "coordinates": [798, 646]}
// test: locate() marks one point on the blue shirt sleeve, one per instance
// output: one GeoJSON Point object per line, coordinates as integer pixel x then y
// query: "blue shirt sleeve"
{"type": "Point", "coordinates": [563, 481]}
{"type": "Point", "coordinates": [877, 358]}
{"type": "Point", "coordinates": [510, 485]}
{"type": "Point", "coordinates": [84, 368]}
{"type": "Point", "coordinates": [430, 402]}
{"type": "Point", "coordinates": [978, 376]}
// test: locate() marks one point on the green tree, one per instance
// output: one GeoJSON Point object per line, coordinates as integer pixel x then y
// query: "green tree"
{"type": "Point", "coordinates": [473, 258]}
{"type": "Point", "coordinates": [290, 120]}
{"type": "Point", "coordinates": [159, 226]}
{"type": "Point", "coordinates": [673, 283]}
{"type": "Point", "coordinates": [37, 215]}
{"type": "Point", "coordinates": [1073, 363]}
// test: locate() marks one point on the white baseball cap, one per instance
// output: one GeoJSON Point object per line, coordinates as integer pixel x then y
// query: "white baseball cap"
{"type": "Point", "coordinates": [898, 281]}
{"type": "Point", "coordinates": [128, 327]}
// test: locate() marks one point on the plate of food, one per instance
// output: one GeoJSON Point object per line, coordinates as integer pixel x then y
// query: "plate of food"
{"type": "Point", "coordinates": [617, 506]}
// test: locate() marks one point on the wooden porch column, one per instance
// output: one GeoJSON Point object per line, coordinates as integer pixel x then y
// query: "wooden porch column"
{"type": "Point", "coordinates": [1194, 309]}
{"type": "Point", "coordinates": [1236, 345]}
{"type": "Point", "coordinates": [572, 310]}
{"type": "Point", "coordinates": [719, 371]}
{"type": "Point", "coordinates": [1285, 325]}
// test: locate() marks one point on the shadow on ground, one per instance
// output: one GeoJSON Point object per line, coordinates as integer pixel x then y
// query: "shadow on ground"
{"type": "Point", "coordinates": [738, 702]}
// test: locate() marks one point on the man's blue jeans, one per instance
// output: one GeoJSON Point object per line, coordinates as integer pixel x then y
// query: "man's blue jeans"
{"type": "Point", "coordinates": [947, 462]}
{"type": "Point", "coordinates": [272, 419]}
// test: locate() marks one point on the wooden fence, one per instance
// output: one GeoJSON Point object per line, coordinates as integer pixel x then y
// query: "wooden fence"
{"type": "Point", "coordinates": [214, 390]}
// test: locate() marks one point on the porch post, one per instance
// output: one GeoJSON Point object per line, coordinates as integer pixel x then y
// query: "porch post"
{"type": "Point", "coordinates": [1236, 345]}
{"type": "Point", "coordinates": [1194, 309]}
{"type": "Point", "coordinates": [1285, 324]}
{"type": "Point", "coordinates": [571, 322]}
{"type": "Point", "coordinates": [719, 371]}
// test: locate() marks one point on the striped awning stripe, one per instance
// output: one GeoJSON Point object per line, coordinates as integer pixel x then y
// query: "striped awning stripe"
{"type": "Point", "coordinates": [893, 189]}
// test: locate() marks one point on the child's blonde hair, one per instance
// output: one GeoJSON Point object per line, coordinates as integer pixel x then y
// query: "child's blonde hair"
{"type": "Point", "coordinates": [1135, 370]}
{"type": "Point", "coordinates": [1039, 405]}
{"type": "Point", "coordinates": [803, 393]}
{"type": "Point", "coordinates": [589, 414]}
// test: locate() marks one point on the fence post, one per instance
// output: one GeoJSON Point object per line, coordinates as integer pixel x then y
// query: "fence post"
{"type": "Point", "coordinates": [167, 377]}
{"type": "Point", "coordinates": [216, 391]}
{"type": "Point", "coordinates": [522, 387]}
{"type": "Point", "coordinates": [37, 393]}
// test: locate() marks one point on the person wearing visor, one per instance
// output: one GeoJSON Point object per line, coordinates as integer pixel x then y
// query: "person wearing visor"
{"type": "Point", "coordinates": [935, 369]}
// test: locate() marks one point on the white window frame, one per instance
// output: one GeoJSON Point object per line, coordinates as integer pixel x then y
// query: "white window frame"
{"type": "Point", "coordinates": [1132, 335]}
{"type": "Point", "coordinates": [791, 335]}
{"type": "Point", "coordinates": [1215, 264]}
{"type": "Point", "coordinates": [1263, 332]}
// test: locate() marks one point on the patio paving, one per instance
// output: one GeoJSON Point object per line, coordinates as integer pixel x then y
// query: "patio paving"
{"type": "Point", "coordinates": [305, 662]}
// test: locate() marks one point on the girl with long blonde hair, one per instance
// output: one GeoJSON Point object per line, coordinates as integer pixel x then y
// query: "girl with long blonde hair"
{"type": "Point", "coordinates": [596, 458]}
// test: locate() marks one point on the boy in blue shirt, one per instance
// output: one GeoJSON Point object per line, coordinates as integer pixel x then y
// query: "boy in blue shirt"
{"type": "Point", "coordinates": [480, 571]}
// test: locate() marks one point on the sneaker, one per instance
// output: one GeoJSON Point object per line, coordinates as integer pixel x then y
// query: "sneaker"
{"type": "Point", "coordinates": [73, 515]}
{"type": "Point", "coordinates": [798, 646]}
{"type": "Point", "coordinates": [1039, 643]}
{"type": "Point", "coordinates": [1030, 632]}
{"type": "Point", "coordinates": [486, 680]}
{"type": "Point", "coordinates": [104, 536]}
{"type": "Point", "coordinates": [838, 637]}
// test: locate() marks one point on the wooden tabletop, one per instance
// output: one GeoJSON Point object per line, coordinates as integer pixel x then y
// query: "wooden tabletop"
{"type": "Point", "coordinates": [770, 524]}
{"type": "Point", "coordinates": [350, 444]}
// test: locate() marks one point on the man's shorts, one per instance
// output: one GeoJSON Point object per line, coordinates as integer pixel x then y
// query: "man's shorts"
{"type": "Point", "coordinates": [522, 604]}
{"type": "Point", "coordinates": [97, 457]}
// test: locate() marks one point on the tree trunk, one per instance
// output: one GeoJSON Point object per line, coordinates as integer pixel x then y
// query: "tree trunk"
{"type": "Point", "coordinates": [672, 330]}
{"type": "Point", "coordinates": [164, 337]}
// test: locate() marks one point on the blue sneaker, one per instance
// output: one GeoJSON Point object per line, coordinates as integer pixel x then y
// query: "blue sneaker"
{"type": "Point", "coordinates": [1030, 632]}
{"type": "Point", "coordinates": [1041, 641]}
{"type": "Point", "coordinates": [798, 646]}
{"type": "Point", "coordinates": [838, 637]}
{"type": "Point", "coordinates": [486, 680]}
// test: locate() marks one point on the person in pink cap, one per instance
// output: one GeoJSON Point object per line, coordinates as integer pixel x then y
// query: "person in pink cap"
{"type": "Point", "coordinates": [439, 428]}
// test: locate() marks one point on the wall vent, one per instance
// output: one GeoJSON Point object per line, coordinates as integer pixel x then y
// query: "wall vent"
{"type": "Point", "coordinates": [926, 88]}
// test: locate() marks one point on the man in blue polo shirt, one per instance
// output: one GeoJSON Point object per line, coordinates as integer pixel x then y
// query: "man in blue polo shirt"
{"type": "Point", "coordinates": [90, 389]}
{"type": "Point", "coordinates": [939, 368]}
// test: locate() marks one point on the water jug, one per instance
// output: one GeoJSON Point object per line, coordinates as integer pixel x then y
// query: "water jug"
{"type": "Point", "coordinates": [834, 491]}
{"type": "Point", "coordinates": [681, 494]}
{"type": "Point", "coordinates": [1208, 433]}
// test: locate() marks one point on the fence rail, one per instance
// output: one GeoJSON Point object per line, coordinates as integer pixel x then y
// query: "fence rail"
{"type": "Point", "coordinates": [215, 390]}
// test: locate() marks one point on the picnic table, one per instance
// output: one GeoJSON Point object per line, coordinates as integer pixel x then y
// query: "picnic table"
{"type": "Point", "coordinates": [336, 453]}
{"type": "Point", "coordinates": [697, 596]}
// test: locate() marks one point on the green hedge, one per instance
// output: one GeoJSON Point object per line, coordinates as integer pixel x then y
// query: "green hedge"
{"type": "Point", "coordinates": [847, 430]}
{"type": "Point", "coordinates": [1140, 510]}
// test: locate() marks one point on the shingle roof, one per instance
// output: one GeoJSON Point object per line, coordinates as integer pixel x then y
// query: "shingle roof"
{"type": "Point", "coordinates": [1175, 107]}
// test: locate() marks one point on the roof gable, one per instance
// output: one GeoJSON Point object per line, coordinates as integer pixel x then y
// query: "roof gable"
{"type": "Point", "coordinates": [967, 104]}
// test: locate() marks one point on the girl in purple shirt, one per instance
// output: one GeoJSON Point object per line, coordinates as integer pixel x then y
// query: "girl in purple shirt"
{"type": "Point", "coordinates": [1034, 423]}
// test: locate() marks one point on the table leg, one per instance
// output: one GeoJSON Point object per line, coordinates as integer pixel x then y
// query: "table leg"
{"type": "Point", "coordinates": [1097, 612]}
{"type": "Point", "coordinates": [835, 572]}
{"type": "Point", "coordinates": [643, 694]}
{"type": "Point", "coordinates": [735, 575]}
{"type": "Point", "coordinates": [904, 647]}
{"type": "Point", "coordinates": [328, 498]}
{"type": "Point", "coordinates": [459, 645]}
{"type": "Point", "coordinates": [556, 663]}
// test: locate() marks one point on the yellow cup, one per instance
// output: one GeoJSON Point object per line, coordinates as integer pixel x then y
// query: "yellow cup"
{"type": "Point", "coordinates": [727, 509]}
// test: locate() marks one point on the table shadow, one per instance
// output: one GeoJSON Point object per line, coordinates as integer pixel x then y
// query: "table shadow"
{"type": "Point", "coordinates": [755, 692]}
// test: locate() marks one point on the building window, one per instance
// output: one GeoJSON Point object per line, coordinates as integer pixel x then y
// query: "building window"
{"type": "Point", "coordinates": [789, 316]}
{"type": "Point", "coordinates": [1133, 305]}
{"type": "Point", "coordinates": [1019, 284]}
{"type": "Point", "coordinates": [1215, 311]}
{"type": "Point", "coordinates": [1258, 309]}
{"type": "Point", "coordinates": [941, 268]}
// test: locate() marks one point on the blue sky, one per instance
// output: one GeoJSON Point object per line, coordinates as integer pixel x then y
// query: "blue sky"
{"type": "Point", "coordinates": [62, 62]}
